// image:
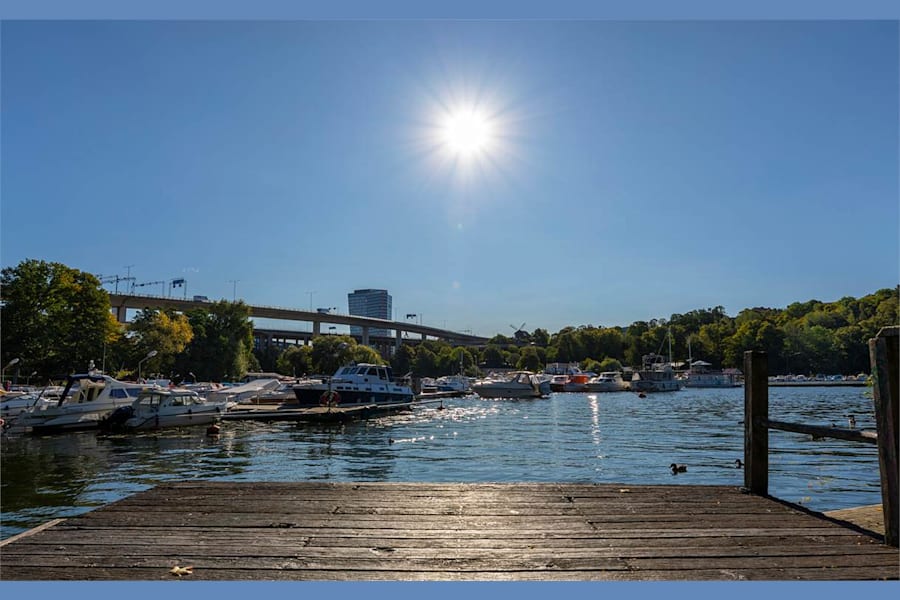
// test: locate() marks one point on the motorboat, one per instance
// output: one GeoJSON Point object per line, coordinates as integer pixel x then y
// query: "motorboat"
{"type": "Point", "coordinates": [609, 381]}
{"type": "Point", "coordinates": [355, 385]}
{"type": "Point", "coordinates": [518, 384]}
{"type": "Point", "coordinates": [453, 383]}
{"type": "Point", "coordinates": [655, 375]}
{"type": "Point", "coordinates": [244, 393]}
{"type": "Point", "coordinates": [97, 395]}
{"type": "Point", "coordinates": [701, 376]}
{"type": "Point", "coordinates": [160, 407]}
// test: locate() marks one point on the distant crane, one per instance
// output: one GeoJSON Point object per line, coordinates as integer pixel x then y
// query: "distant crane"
{"type": "Point", "coordinates": [161, 283]}
{"type": "Point", "coordinates": [113, 279]}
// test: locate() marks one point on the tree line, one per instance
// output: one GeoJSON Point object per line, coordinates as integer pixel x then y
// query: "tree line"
{"type": "Point", "coordinates": [57, 320]}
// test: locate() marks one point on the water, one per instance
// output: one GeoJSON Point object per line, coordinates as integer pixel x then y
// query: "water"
{"type": "Point", "coordinates": [577, 438]}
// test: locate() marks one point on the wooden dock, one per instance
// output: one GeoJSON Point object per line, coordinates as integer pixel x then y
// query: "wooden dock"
{"type": "Point", "coordinates": [435, 531]}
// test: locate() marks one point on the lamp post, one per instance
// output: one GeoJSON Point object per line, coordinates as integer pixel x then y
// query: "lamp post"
{"type": "Point", "coordinates": [28, 379]}
{"type": "Point", "coordinates": [150, 355]}
{"type": "Point", "coordinates": [8, 365]}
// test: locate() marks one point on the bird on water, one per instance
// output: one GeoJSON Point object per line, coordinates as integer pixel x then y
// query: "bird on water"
{"type": "Point", "coordinates": [676, 468]}
{"type": "Point", "coordinates": [738, 464]}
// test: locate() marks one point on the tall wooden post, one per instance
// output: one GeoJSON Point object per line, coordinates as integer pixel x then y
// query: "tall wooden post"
{"type": "Point", "coordinates": [883, 355]}
{"type": "Point", "coordinates": [756, 435]}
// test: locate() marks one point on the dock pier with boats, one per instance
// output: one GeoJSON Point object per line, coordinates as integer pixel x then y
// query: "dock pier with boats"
{"type": "Point", "coordinates": [352, 531]}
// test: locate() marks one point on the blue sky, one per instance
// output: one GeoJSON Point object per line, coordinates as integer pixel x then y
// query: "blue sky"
{"type": "Point", "coordinates": [635, 169]}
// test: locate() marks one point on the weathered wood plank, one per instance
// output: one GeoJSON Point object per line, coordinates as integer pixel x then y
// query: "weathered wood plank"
{"type": "Point", "coordinates": [884, 355]}
{"type": "Point", "coordinates": [329, 531]}
{"type": "Point", "coordinates": [756, 435]}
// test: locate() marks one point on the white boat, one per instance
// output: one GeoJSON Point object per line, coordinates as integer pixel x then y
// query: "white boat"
{"type": "Point", "coordinates": [96, 397]}
{"type": "Point", "coordinates": [519, 384]}
{"type": "Point", "coordinates": [453, 383]}
{"type": "Point", "coordinates": [160, 407]}
{"type": "Point", "coordinates": [245, 393]}
{"type": "Point", "coordinates": [356, 385]}
{"type": "Point", "coordinates": [610, 381]}
{"type": "Point", "coordinates": [701, 376]}
{"type": "Point", "coordinates": [655, 375]}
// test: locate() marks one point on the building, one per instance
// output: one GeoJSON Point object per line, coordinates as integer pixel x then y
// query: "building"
{"type": "Point", "coordinates": [370, 303]}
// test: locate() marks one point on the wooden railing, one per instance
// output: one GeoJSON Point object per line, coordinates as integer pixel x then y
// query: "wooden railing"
{"type": "Point", "coordinates": [883, 355]}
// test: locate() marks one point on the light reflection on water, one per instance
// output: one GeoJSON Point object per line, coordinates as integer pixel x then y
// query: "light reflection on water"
{"type": "Point", "coordinates": [608, 437]}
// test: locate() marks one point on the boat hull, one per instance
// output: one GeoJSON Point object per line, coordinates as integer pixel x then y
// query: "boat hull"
{"type": "Point", "coordinates": [312, 395]}
{"type": "Point", "coordinates": [644, 385]}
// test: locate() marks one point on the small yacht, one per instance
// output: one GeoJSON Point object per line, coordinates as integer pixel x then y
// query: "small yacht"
{"type": "Point", "coordinates": [355, 385]}
{"type": "Point", "coordinates": [160, 407]}
{"type": "Point", "coordinates": [701, 376]}
{"type": "Point", "coordinates": [655, 375]}
{"type": "Point", "coordinates": [610, 381]}
{"type": "Point", "coordinates": [518, 384]}
{"type": "Point", "coordinates": [97, 395]}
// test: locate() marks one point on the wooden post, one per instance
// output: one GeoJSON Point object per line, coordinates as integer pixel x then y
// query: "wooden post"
{"type": "Point", "coordinates": [883, 355]}
{"type": "Point", "coordinates": [756, 433]}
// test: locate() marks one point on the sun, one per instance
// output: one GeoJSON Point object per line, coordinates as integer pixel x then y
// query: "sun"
{"type": "Point", "coordinates": [467, 133]}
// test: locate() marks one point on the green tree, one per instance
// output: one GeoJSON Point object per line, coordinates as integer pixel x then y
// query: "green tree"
{"type": "Point", "coordinates": [529, 359]}
{"type": "Point", "coordinates": [295, 361]}
{"type": "Point", "coordinates": [222, 347]}
{"type": "Point", "coordinates": [54, 319]}
{"type": "Point", "coordinates": [330, 352]}
{"type": "Point", "coordinates": [402, 361]}
{"type": "Point", "coordinates": [165, 331]}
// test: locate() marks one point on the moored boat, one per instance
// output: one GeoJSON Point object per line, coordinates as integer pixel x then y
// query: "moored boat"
{"type": "Point", "coordinates": [96, 397]}
{"type": "Point", "coordinates": [160, 407]}
{"type": "Point", "coordinates": [519, 384]}
{"type": "Point", "coordinates": [655, 375]}
{"type": "Point", "coordinates": [610, 381]}
{"type": "Point", "coordinates": [355, 385]}
{"type": "Point", "coordinates": [701, 376]}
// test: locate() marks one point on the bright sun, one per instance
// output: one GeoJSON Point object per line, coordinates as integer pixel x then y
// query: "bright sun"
{"type": "Point", "coordinates": [467, 133]}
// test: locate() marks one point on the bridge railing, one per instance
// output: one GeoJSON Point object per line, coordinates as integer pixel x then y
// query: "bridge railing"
{"type": "Point", "coordinates": [883, 356]}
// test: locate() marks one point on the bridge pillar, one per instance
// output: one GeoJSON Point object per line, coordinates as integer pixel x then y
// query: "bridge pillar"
{"type": "Point", "coordinates": [121, 314]}
{"type": "Point", "coordinates": [398, 339]}
{"type": "Point", "coordinates": [365, 335]}
{"type": "Point", "coordinates": [316, 326]}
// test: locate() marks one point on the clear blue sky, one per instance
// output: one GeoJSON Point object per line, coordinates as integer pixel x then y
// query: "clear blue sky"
{"type": "Point", "coordinates": [634, 170]}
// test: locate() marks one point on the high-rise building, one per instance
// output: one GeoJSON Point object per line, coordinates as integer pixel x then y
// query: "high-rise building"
{"type": "Point", "coordinates": [370, 303]}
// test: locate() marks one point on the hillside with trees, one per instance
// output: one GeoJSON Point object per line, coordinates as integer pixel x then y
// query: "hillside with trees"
{"type": "Point", "coordinates": [56, 320]}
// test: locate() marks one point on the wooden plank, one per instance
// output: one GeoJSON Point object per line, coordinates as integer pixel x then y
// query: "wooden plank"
{"type": "Point", "coordinates": [327, 531]}
{"type": "Point", "coordinates": [852, 435]}
{"type": "Point", "coordinates": [756, 435]}
{"type": "Point", "coordinates": [884, 356]}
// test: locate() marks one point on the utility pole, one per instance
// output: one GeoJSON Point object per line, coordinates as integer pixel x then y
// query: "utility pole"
{"type": "Point", "coordinates": [234, 283]}
{"type": "Point", "coordinates": [310, 299]}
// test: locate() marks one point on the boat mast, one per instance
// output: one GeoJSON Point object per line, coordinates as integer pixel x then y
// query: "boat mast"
{"type": "Point", "coordinates": [670, 346]}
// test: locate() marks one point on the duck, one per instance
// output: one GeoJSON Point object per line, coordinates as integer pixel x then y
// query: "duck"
{"type": "Point", "coordinates": [738, 464]}
{"type": "Point", "coordinates": [852, 422]}
{"type": "Point", "coordinates": [676, 468]}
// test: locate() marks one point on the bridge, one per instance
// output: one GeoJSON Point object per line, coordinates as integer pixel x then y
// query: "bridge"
{"type": "Point", "coordinates": [120, 303]}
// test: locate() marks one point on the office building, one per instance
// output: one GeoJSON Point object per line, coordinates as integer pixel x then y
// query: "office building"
{"type": "Point", "coordinates": [370, 303]}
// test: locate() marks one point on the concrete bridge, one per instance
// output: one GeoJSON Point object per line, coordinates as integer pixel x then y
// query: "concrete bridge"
{"type": "Point", "coordinates": [121, 302]}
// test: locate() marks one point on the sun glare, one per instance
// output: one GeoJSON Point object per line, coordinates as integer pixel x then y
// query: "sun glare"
{"type": "Point", "coordinates": [467, 133]}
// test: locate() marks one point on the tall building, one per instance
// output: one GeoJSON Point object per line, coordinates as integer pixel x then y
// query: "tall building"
{"type": "Point", "coordinates": [370, 303]}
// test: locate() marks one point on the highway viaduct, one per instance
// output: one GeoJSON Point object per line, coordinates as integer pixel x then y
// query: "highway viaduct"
{"type": "Point", "coordinates": [120, 303]}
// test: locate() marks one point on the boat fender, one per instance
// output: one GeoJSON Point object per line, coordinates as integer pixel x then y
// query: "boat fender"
{"type": "Point", "coordinates": [331, 398]}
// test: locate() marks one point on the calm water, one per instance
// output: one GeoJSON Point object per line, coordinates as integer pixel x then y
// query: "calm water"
{"type": "Point", "coordinates": [605, 438]}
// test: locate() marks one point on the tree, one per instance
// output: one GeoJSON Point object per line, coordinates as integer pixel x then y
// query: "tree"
{"type": "Point", "coordinates": [54, 319]}
{"type": "Point", "coordinates": [165, 331]}
{"type": "Point", "coordinates": [222, 344]}
{"type": "Point", "coordinates": [295, 361]}
{"type": "Point", "coordinates": [330, 352]}
{"type": "Point", "coordinates": [402, 361]}
{"type": "Point", "coordinates": [529, 359]}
